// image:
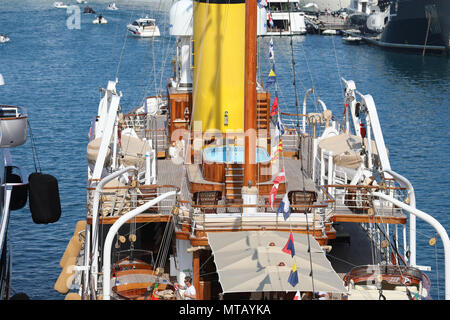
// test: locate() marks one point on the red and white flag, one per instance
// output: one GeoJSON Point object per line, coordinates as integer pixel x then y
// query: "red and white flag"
{"type": "Point", "coordinates": [281, 177]}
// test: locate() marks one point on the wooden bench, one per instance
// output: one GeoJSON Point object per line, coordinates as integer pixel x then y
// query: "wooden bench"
{"type": "Point", "coordinates": [207, 198]}
{"type": "Point", "coordinates": [299, 197]}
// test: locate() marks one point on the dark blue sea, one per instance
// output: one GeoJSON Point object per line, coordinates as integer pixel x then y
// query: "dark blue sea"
{"type": "Point", "coordinates": [55, 73]}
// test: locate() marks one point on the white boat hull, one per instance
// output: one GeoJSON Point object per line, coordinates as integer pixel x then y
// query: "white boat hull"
{"type": "Point", "coordinates": [329, 32]}
{"type": "Point", "coordinates": [103, 21]}
{"type": "Point", "coordinates": [138, 32]}
{"type": "Point", "coordinates": [330, 5]}
{"type": "Point", "coordinates": [286, 23]}
{"type": "Point", "coordinates": [351, 40]}
{"type": "Point", "coordinates": [60, 5]}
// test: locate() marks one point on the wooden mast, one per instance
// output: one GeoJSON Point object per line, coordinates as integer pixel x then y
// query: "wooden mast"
{"type": "Point", "coordinates": [250, 94]}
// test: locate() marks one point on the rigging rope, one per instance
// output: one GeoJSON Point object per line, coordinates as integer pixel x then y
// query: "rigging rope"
{"type": "Point", "coordinates": [338, 69]}
{"type": "Point", "coordinates": [33, 149]}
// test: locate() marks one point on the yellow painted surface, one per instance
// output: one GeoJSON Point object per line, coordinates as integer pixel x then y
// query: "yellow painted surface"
{"type": "Point", "coordinates": [219, 56]}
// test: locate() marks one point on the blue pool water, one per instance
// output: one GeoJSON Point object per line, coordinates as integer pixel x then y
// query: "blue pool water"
{"type": "Point", "coordinates": [232, 154]}
{"type": "Point", "coordinates": [54, 72]}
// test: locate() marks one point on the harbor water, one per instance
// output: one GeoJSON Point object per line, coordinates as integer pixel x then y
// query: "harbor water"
{"type": "Point", "coordinates": [54, 70]}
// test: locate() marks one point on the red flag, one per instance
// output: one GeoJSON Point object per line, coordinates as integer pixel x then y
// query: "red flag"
{"type": "Point", "coordinates": [272, 195]}
{"type": "Point", "coordinates": [280, 178]}
{"type": "Point", "coordinates": [289, 247]}
{"type": "Point", "coordinates": [274, 110]}
{"type": "Point", "coordinates": [276, 182]}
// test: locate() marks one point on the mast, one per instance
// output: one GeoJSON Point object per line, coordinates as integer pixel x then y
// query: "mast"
{"type": "Point", "coordinates": [249, 189]}
{"type": "Point", "coordinates": [250, 95]}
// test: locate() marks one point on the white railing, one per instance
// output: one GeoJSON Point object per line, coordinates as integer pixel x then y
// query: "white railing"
{"type": "Point", "coordinates": [412, 219]}
{"type": "Point", "coordinates": [150, 167]}
{"type": "Point", "coordinates": [95, 215]}
{"type": "Point", "coordinates": [112, 233]}
{"type": "Point", "coordinates": [436, 225]}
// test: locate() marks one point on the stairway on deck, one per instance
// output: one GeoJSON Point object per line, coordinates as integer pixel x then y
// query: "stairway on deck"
{"type": "Point", "coordinates": [234, 180]}
{"type": "Point", "coordinates": [262, 115]}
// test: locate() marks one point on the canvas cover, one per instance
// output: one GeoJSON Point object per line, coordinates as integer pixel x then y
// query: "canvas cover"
{"type": "Point", "coordinates": [246, 262]}
{"type": "Point", "coordinates": [346, 149]}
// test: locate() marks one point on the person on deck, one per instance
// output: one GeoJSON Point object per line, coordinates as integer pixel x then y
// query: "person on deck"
{"type": "Point", "coordinates": [321, 295]}
{"type": "Point", "coordinates": [190, 292]}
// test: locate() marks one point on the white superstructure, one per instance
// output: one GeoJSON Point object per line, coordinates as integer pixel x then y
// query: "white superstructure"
{"type": "Point", "coordinates": [330, 5]}
{"type": "Point", "coordinates": [284, 18]}
{"type": "Point", "coordinates": [363, 6]}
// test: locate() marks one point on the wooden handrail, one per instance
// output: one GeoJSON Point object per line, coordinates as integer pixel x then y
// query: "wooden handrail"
{"type": "Point", "coordinates": [211, 206]}
{"type": "Point", "coordinates": [153, 186]}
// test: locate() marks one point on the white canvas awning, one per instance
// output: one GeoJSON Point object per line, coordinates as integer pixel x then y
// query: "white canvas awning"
{"type": "Point", "coordinates": [346, 149]}
{"type": "Point", "coordinates": [247, 262]}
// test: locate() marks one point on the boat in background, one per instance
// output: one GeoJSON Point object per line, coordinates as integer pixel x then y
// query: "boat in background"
{"type": "Point", "coordinates": [329, 5]}
{"type": "Point", "coordinates": [112, 6]}
{"type": "Point", "coordinates": [81, 1]}
{"type": "Point", "coordinates": [60, 5]}
{"type": "Point", "coordinates": [418, 25]}
{"type": "Point", "coordinates": [369, 16]}
{"type": "Point", "coordinates": [329, 32]}
{"type": "Point", "coordinates": [100, 20]}
{"type": "Point", "coordinates": [13, 128]}
{"type": "Point", "coordinates": [88, 9]}
{"type": "Point", "coordinates": [17, 188]}
{"type": "Point", "coordinates": [285, 18]}
{"type": "Point", "coordinates": [144, 27]}
{"type": "Point", "coordinates": [4, 38]}
{"type": "Point", "coordinates": [351, 39]}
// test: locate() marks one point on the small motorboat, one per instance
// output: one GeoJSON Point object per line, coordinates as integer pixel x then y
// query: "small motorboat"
{"type": "Point", "coordinates": [60, 5]}
{"type": "Point", "coordinates": [81, 1]}
{"type": "Point", "coordinates": [387, 282]}
{"type": "Point", "coordinates": [350, 31]}
{"type": "Point", "coordinates": [112, 6]}
{"type": "Point", "coordinates": [4, 38]}
{"type": "Point", "coordinates": [351, 39]}
{"type": "Point", "coordinates": [144, 27]}
{"type": "Point", "coordinates": [100, 20]}
{"type": "Point", "coordinates": [329, 32]}
{"type": "Point", "coordinates": [88, 10]}
{"type": "Point", "coordinates": [134, 279]}
{"type": "Point", "coordinates": [13, 126]}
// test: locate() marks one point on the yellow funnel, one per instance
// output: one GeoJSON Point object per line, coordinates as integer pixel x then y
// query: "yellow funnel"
{"type": "Point", "coordinates": [219, 56]}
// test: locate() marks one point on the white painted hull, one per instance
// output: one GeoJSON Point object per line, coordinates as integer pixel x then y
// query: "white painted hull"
{"type": "Point", "coordinates": [330, 5]}
{"type": "Point", "coordinates": [329, 33]}
{"type": "Point", "coordinates": [281, 20]}
{"type": "Point", "coordinates": [59, 5]}
{"type": "Point", "coordinates": [103, 21]}
{"type": "Point", "coordinates": [138, 32]}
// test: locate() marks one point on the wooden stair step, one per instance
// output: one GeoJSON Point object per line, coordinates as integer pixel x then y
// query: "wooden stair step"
{"type": "Point", "coordinates": [233, 187]}
{"type": "Point", "coordinates": [230, 180]}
